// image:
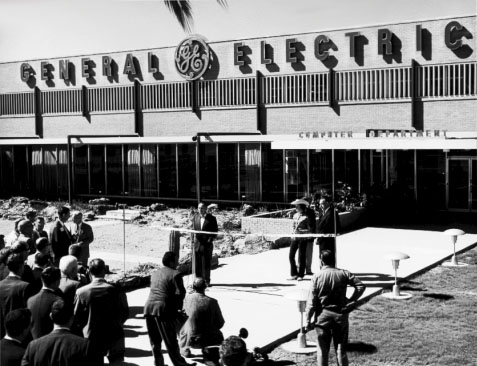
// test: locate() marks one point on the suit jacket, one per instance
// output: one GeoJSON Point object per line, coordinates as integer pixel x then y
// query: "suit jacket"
{"type": "Point", "coordinates": [11, 352]}
{"type": "Point", "coordinates": [40, 307]}
{"type": "Point", "coordinates": [100, 311]}
{"type": "Point", "coordinates": [167, 294]}
{"type": "Point", "coordinates": [39, 234]}
{"type": "Point", "coordinates": [202, 328]}
{"type": "Point", "coordinates": [59, 348]}
{"type": "Point", "coordinates": [69, 287]}
{"type": "Point", "coordinates": [326, 225]}
{"type": "Point", "coordinates": [60, 239]}
{"type": "Point", "coordinates": [210, 224]}
{"type": "Point", "coordinates": [84, 237]}
{"type": "Point", "coordinates": [14, 294]}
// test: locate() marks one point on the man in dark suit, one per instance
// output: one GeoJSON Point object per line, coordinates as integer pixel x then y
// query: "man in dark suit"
{"type": "Point", "coordinates": [60, 347]}
{"type": "Point", "coordinates": [40, 304]}
{"type": "Point", "coordinates": [161, 309]}
{"type": "Point", "coordinates": [100, 312]}
{"type": "Point", "coordinates": [326, 225]}
{"type": "Point", "coordinates": [12, 348]}
{"type": "Point", "coordinates": [14, 292]}
{"type": "Point", "coordinates": [60, 236]}
{"type": "Point", "coordinates": [202, 328]}
{"type": "Point", "coordinates": [83, 236]}
{"type": "Point", "coordinates": [203, 243]}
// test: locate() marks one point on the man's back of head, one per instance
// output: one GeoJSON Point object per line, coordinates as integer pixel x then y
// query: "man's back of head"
{"type": "Point", "coordinates": [233, 352]}
{"type": "Point", "coordinates": [17, 323]}
{"type": "Point", "coordinates": [69, 266]}
{"type": "Point", "coordinates": [97, 268]}
{"type": "Point", "coordinates": [327, 258]}
{"type": "Point", "coordinates": [62, 313]}
{"type": "Point", "coordinates": [15, 263]}
{"type": "Point", "coordinates": [169, 260]}
{"type": "Point", "coordinates": [50, 277]}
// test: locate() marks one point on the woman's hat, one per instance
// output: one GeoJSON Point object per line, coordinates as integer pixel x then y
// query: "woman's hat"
{"type": "Point", "coordinates": [300, 202]}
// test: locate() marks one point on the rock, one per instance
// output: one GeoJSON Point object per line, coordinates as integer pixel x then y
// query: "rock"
{"type": "Point", "coordinates": [100, 201]}
{"type": "Point", "coordinates": [89, 216]}
{"type": "Point", "coordinates": [158, 207]}
{"type": "Point", "coordinates": [101, 209]}
{"type": "Point", "coordinates": [247, 210]}
{"type": "Point", "coordinates": [279, 243]}
{"type": "Point", "coordinates": [17, 200]}
{"type": "Point", "coordinates": [38, 204]}
{"type": "Point", "coordinates": [185, 265]}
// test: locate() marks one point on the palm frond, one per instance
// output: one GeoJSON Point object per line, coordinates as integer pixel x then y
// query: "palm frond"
{"type": "Point", "coordinates": [182, 10]}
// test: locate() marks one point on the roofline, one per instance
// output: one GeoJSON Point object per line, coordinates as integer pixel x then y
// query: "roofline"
{"type": "Point", "coordinates": [244, 39]}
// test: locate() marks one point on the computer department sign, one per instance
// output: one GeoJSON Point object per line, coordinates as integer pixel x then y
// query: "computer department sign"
{"type": "Point", "coordinates": [192, 57]}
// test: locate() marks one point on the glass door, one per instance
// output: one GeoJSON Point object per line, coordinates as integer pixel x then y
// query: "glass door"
{"type": "Point", "coordinates": [462, 181]}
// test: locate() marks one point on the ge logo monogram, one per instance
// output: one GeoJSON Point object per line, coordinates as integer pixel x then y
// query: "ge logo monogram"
{"type": "Point", "coordinates": [192, 57]}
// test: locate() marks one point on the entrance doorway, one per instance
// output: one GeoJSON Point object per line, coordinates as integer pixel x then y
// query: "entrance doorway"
{"type": "Point", "coordinates": [462, 184]}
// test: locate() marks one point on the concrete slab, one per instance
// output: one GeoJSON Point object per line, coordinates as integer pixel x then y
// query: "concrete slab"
{"type": "Point", "coordinates": [252, 289]}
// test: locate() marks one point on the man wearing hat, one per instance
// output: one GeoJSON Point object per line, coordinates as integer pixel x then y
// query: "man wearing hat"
{"type": "Point", "coordinates": [301, 225]}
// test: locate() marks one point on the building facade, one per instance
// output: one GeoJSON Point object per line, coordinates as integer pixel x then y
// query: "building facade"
{"type": "Point", "coordinates": [388, 107]}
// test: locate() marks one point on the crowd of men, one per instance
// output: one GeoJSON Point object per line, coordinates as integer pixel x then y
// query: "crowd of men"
{"type": "Point", "coordinates": [56, 308]}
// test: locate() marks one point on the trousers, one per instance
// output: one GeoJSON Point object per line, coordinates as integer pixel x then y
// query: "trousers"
{"type": "Point", "coordinates": [331, 326]}
{"type": "Point", "coordinates": [299, 245]}
{"type": "Point", "coordinates": [164, 330]}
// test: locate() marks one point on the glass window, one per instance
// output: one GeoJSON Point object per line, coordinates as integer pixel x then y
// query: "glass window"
{"type": "Point", "coordinates": [50, 165]}
{"type": "Point", "coordinates": [346, 170]}
{"type": "Point", "coordinates": [167, 171]}
{"type": "Point", "coordinates": [321, 171]}
{"type": "Point", "coordinates": [62, 170]}
{"type": "Point", "coordinates": [114, 169]}
{"type": "Point", "coordinates": [21, 169]}
{"type": "Point", "coordinates": [96, 155]}
{"type": "Point", "coordinates": [131, 170]}
{"type": "Point", "coordinates": [80, 169]}
{"type": "Point", "coordinates": [6, 165]}
{"type": "Point", "coordinates": [272, 173]}
{"type": "Point", "coordinates": [250, 172]}
{"type": "Point", "coordinates": [365, 171]}
{"type": "Point", "coordinates": [208, 170]}
{"type": "Point", "coordinates": [228, 171]}
{"type": "Point", "coordinates": [401, 178]}
{"type": "Point", "coordinates": [431, 179]}
{"type": "Point", "coordinates": [186, 176]}
{"type": "Point", "coordinates": [149, 170]}
{"type": "Point", "coordinates": [296, 176]}
{"type": "Point", "coordinates": [36, 172]}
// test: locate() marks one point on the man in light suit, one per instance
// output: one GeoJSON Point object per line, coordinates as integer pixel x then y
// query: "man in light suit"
{"type": "Point", "coordinates": [60, 236]}
{"type": "Point", "coordinates": [161, 309]}
{"type": "Point", "coordinates": [100, 312]}
{"type": "Point", "coordinates": [60, 347]}
{"type": "Point", "coordinates": [40, 304]}
{"type": "Point", "coordinates": [14, 292]}
{"type": "Point", "coordinates": [83, 236]}
{"type": "Point", "coordinates": [12, 347]}
{"type": "Point", "coordinates": [326, 225]}
{"type": "Point", "coordinates": [203, 243]}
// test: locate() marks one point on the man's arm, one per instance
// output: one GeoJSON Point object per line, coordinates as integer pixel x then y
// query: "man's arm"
{"type": "Point", "coordinates": [213, 227]}
{"type": "Point", "coordinates": [359, 287]}
{"type": "Point", "coordinates": [313, 305]}
{"type": "Point", "coordinates": [88, 237]}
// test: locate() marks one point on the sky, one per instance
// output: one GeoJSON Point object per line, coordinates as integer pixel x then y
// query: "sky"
{"type": "Point", "coordinates": [41, 29]}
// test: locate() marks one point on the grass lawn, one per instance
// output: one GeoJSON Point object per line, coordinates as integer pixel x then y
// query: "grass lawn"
{"type": "Point", "coordinates": [437, 326]}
